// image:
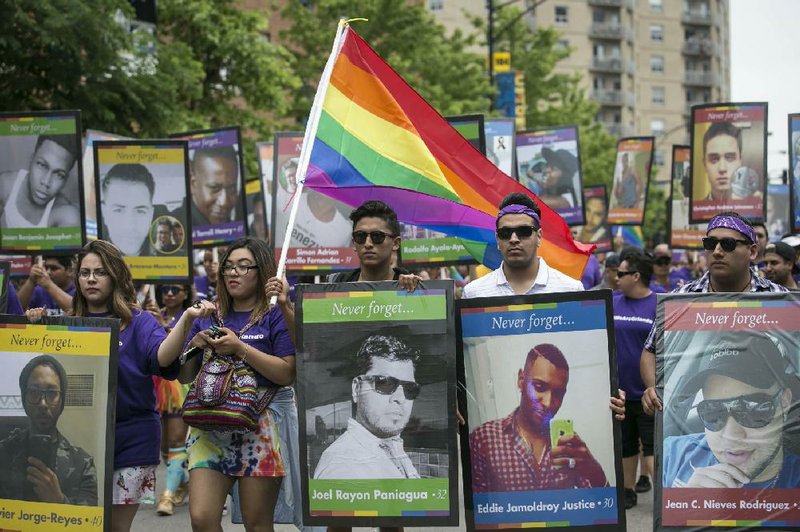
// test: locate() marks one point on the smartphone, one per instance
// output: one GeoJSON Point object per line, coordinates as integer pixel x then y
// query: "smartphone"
{"type": "Point", "coordinates": [43, 447]}
{"type": "Point", "coordinates": [215, 332]}
{"type": "Point", "coordinates": [560, 428]}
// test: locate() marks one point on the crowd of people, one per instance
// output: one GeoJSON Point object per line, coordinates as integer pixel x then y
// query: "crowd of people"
{"type": "Point", "coordinates": [231, 294]}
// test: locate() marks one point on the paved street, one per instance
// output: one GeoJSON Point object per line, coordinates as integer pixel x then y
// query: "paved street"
{"type": "Point", "coordinates": [640, 519]}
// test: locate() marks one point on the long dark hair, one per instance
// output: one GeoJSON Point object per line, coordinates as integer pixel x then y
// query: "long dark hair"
{"type": "Point", "coordinates": [266, 269]}
{"type": "Point", "coordinates": [123, 296]}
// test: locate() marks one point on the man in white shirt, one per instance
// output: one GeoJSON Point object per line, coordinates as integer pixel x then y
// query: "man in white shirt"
{"type": "Point", "coordinates": [519, 235]}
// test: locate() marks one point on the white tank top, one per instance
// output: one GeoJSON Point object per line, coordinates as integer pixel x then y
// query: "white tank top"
{"type": "Point", "coordinates": [12, 218]}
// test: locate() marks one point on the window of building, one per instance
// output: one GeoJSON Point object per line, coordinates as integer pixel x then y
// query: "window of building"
{"type": "Point", "coordinates": [598, 16]}
{"type": "Point", "coordinates": [435, 5]}
{"type": "Point", "coordinates": [657, 127]}
{"type": "Point", "coordinates": [659, 159]}
{"type": "Point", "coordinates": [562, 16]}
{"type": "Point", "coordinates": [656, 63]}
{"type": "Point", "coordinates": [657, 32]}
{"type": "Point", "coordinates": [656, 5]}
{"type": "Point", "coordinates": [562, 44]}
{"type": "Point", "coordinates": [658, 95]}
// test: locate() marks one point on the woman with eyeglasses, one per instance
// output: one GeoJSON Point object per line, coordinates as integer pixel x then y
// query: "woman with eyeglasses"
{"type": "Point", "coordinates": [105, 289]}
{"type": "Point", "coordinates": [634, 314]}
{"type": "Point", "coordinates": [257, 335]}
{"type": "Point", "coordinates": [172, 300]}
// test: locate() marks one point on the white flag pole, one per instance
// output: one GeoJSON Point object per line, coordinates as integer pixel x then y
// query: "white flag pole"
{"type": "Point", "coordinates": [308, 144]}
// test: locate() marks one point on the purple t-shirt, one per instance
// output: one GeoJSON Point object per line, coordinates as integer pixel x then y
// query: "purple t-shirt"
{"type": "Point", "coordinates": [42, 298]}
{"type": "Point", "coordinates": [633, 319]}
{"type": "Point", "coordinates": [591, 274]}
{"type": "Point", "coordinates": [270, 335]}
{"type": "Point", "coordinates": [203, 288]}
{"type": "Point", "coordinates": [137, 438]}
{"type": "Point", "coordinates": [12, 303]}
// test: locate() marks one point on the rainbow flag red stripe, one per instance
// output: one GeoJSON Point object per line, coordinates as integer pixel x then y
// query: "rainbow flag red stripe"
{"type": "Point", "coordinates": [377, 138]}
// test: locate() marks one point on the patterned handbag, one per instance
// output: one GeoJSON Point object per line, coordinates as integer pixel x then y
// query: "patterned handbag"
{"type": "Point", "coordinates": [224, 396]}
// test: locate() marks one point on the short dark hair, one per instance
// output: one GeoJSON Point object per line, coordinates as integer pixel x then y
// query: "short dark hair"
{"type": "Point", "coordinates": [384, 346]}
{"type": "Point", "coordinates": [550, 353]}
{"type": "Point", "coordinates": [132, 173]}
{"type": "Point", "coordinates": [722, 128]}
{"type": "Point", "coordinates": [219, 152]}
{"type": "Point", "coordinates": [52, 363]}
{"type": "Point", "coordinates": [67, 142]}
{"type": "Point", "coordinates": [732, 214]}
{"type": "Point", "coordinates": [376, 209]}
{"type": "Point", "coordinates": [762, 224]}
{"type": "Point", "coordinates": [518, 198]}
{"type": "Point", "coordinates": [639, 261]}
{"type": "Point", "coordinates": [67, 261]}
{"type": "Point", "coordinates": [164, 221]}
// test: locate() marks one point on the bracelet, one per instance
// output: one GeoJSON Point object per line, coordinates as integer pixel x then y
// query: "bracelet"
{"type": "Point", "coordinates": [246, 347]}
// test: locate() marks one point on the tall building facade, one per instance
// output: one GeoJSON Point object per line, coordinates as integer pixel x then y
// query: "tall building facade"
{"type": "Point", "coordinates": [646, 62]}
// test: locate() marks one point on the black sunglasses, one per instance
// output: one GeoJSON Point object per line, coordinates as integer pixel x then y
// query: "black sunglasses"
{"type": "Point", "coordinates": [662, 261]}
{"type": "Point", "coordinates": [174, 290]}
{"type": "Point", "coordinates": [523, 232]}
{"type": "Point", "coordinates": [728, 244]}
{"type": "Point", "coordinates": [751, 411]}
{"type": "Point", "coordinates": [377, 237]}
{"type": "Point", "coordinates": [386, 385]}
{"type": "Point", "coordinates": [621, 274]}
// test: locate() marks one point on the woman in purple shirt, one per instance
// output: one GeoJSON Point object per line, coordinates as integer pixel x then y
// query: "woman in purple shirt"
{"type": "Point", "coordinates": [105, 289]}
{"type": "Point", "coordinates": [257, 335]}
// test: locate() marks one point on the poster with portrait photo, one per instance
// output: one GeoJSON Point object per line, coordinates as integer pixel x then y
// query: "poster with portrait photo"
{"type": "Point", "coordinates": [549, 165]}
{"type": "Point", "coordinates": [5, 271]}
{"type": "Point", "coordinates": [727, 444]}
{"type": "Point", "coordinates": [217, 184]}
{"type": "Point", "coordinates": [89, 193]}
{"type": "Point", "coordinates": [729, 160]}
{"type": "Point", "coordinates": [266, 169]}
{"type": "Point", "coordinates": [682, 235]}
{"type": "Point", "coordinates": [376, 388]}
{"type": "Point", "coordinates": [58, 387]}
{"type": "Point", "coordinates": [500, 134]}
{"type": "Point", "coordinates": [321, 236]}
{"type": "Point", "coordinates": [41, 196]}
{"type": "Point", "coordinates": [794, 170]}
{"type": "Point", "coordinates": [143, 186]}
{"type": "Point", "coordinates": [539, 447]}
{"type": "Point", "coordinates": [596, 231]}
{"type": "Point", "coordinates": [420, 247]}
{"type": "Point", "coordinates": [777, 211]}
{"type": "Point", "coordinates": [631, 178]}
{"type": "Point", "coordinates": [20, 264]}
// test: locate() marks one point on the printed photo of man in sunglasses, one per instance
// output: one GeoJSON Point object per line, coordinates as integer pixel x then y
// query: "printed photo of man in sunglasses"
{"type": "Point", "coordinates": [746, 398]}
{"type": "Point", "coordinates": [383, 394]}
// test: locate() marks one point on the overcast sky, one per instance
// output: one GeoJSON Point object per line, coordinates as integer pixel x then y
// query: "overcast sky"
{"type": "Point", "coordinates": [765, 65]}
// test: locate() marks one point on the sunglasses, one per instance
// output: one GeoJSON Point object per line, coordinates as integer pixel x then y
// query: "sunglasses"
{"type": "Point", "coordinates": [386, 385]}
{"type": "Point", "coordinates": [751, 411]}
{"type": "Point", "coordinates": [728, 244]}
{"type": "Point", "coordinates": [173, 290]}
{"type": "Point", "coordinates": [377, 237]}
{"type": "Point", "coordinates": [35, 395]}
{"type": "Point", "coordinates": [662, 261]}
{"type": "Point", "coordinates": [621, 274]}
{"type": "Point", "coordinates": [523, 232]}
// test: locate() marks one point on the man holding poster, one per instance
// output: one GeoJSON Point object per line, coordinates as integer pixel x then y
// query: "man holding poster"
{"type": "Point", "coordinates": [746, 399]}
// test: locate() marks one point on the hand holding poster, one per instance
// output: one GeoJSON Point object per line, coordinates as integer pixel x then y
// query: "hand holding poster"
{"type": "Point", "coordinates": [41, 182]}
{"type": "Point", "coordinates": [142, 204]}
{"type": "Point", "coordinates": [376, 389]}
{"type": "Point", "coordinates": [540, 448]}
{"type": "Point", "coordinates": [631, 179]}
{"type": "Point", "coordinates": [549, 165]}
{"type": "Point", "coordinates": [729, 162]}
{"type": "Point", "coordinates": [727, 370]}
{"type": "Point", "coordinates": [56, 440]}
{"type": "Point", "coordinates": [682, 233]}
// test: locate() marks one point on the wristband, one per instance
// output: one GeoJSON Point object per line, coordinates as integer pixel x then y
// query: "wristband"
{"type": "Point", "coordinates": [246, 347]}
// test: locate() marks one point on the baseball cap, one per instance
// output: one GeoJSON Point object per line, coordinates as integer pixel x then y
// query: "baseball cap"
{"type": "Point", "coordinates": [612, 260]}
{"type": "Point", "coordinates": [792, 240]}
{"type": "Point", "coordinates": [784, 251]}
{"type": "Point", "coordinates": [753, 359]}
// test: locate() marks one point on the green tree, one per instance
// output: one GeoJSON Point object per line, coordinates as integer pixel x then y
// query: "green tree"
{"type": "Point", "coordinates": [208, 65]}
{"type": "Point", "coordinates": [451, 78]}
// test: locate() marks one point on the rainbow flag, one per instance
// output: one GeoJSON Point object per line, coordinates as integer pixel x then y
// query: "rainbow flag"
{"type": "Point", "coordinates": [375, 138]}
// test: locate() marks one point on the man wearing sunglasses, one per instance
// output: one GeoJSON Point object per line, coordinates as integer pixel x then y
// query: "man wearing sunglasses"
{"type": "Point", "coordinates": [730, 246]}
{"type": "Point", "coordinates": [38, 463]}
{"type": "Point", "coordinates": [744, 406]}
{"type": "Point", "coordinates": [519, 235]}
{"type": "Point", "coordinates": [383, 393]}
